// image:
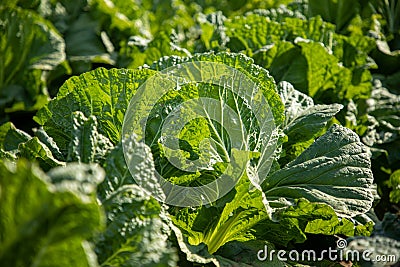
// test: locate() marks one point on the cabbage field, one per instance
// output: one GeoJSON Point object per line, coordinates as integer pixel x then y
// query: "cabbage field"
{"type": "Point", "coordinates": [199, 133]}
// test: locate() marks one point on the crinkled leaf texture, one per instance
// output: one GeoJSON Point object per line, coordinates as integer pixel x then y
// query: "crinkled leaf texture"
{"type": "Point", "coordinates": [102, 93]}
{"type": "Point", "coordinates": [377, 121]}
{"type": "Point", "coordinates": [301, 51]}
{"type": "Point", "coordinates": [137, 225]}
{"type": "Point", "coordinates": [383, 109]}
{"type": "Point", "coordinates": [87, 144]}
{"type": "Point", "coordinates": [117, 173]}
{"type": "Point", "coordinates": [46, 219]}
{"type": "Point", "coordinates": [136, 232]}
{"type": "Point", "coordinates": [335, 169]}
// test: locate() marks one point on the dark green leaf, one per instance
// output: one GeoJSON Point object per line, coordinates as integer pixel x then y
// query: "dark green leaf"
{"type": "Point", "coordinates": [30, 47]}
{"type": "Point", "coordinates": [335, 170]}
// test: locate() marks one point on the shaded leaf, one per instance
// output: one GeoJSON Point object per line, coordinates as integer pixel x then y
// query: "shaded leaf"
{"type": "Point", "coordinates": [43, 224]}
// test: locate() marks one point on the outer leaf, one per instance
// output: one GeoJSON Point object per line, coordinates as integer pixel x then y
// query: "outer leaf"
{"type": "Point", "coordinates": [101, 93]}
{"type": "Point", "coordinates": [11, 137]}
{"type": "Point", "coordinates": [36, 150]}
{"type": "Point", "coordinates": [43, 224]}
{"type": "Point", "coordinates": [137, 228]}
{"type": "Point", "coordinates": [29, 47]}
{"type": "Point", "coordinates": [334, 170]}
{"type": "Point", "coordinates": [49, 142]}
{"type": "Point", "coordinates": [136, 234]}
{"type": "Point", "coordinates": [303, 119]}
{"type": "Point", "coordinates": [15, 143]}
{"type": "Point", "coordinates": [80, 179]}
{"type": "Point", "coordinates": [86, 44]}
{"type": "Point", "coordinates": [131, 165]}
{"type": "Point", "coordinates": [117, 173]}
